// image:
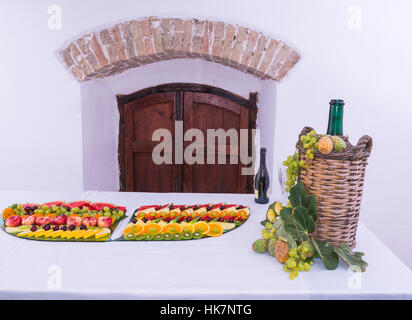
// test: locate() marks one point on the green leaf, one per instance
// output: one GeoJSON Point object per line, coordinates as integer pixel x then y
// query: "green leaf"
{"type": "Point", "coordinates": [310, 204]}
{"type": "Point", "coordinates": [297, 194]}
{"type": "Point", "coordinates": [353, 259]}
{"type": "Point", "coordinates": [326, 253]}
{"type": "Point", "coordinates": [298, 222]}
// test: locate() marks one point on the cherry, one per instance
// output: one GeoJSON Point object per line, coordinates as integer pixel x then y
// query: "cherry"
{"type": "Point", "coordinates": [33, 228]}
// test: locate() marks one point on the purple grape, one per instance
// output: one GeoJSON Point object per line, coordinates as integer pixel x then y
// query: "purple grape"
{"type": "Point", "coordinates": [144, 220]}
{"type": "Point", "coordinates": [55, 228]}
{"type": "Point", "coordinates": [46, 227]}
{"type": "Point", "coordinates": [171, 207]}
{"type": "Point", "coordinates": [64, 228]}
{"type": "Point", "coordinates": [134, 220]}
{"type": "Point", "coordinates": [33, 228]}
{"type": "Point", "coordinates": [71, 227]}
{"type": "Point", "coordinates": [67, 208]}
{"type": "Point", "coordinates": [35, 207]}
{"type": "Point", "coordinates": [222, 207]}
{"type": "Point", "coordinates": [83, 227]}
{"type": "Point", "coordinates": [208, 208]}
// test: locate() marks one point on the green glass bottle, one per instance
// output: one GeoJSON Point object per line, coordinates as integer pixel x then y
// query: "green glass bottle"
{"type": "Point", "coordinates": [335, 125]}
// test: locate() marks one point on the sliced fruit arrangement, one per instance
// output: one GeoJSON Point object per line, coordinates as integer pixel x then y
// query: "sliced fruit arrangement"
{"type": "Point", "coordinates": [63, 221]}
{"type": "Point", "coordinates": [184, 222]}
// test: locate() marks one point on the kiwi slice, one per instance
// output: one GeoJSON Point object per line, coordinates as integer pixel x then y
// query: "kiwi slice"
{"type": "Point", "coordinates": [177, 236]}
{"type": "Point", "coordinates": [141, 237]}
{"type": "Point", "coordinates": [197, 235]}
{"type": "Point", "coordinates": [159, 236]}
{"type": "Point", "coordinates": [186, 235]}
{"type": "Point", "coordinates": [129, 236]}
{"type": "Point", "coordinates": [148, 237]}
{"type": "Point", "coordinates": [167, 236]}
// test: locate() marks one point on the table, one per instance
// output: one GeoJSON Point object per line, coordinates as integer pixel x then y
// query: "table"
{"type": "Point", "coordinates": [212, 268]}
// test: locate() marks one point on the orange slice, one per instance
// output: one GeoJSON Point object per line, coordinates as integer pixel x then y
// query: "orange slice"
{"type": "Point", "coordinates": [215, 230]}
{"type": "Point", "coordinates": [172, 228]}
{"type": "Point", "coordinates": [7, 213]}
{"type": "Point", "coordinates": [152, 228]}
{"type": "Point", "coordinates": [188, 227]}
{"type": "Point", "coordinates": [201, 227]}
{"type": "Point", "coordinates": [136, 229]}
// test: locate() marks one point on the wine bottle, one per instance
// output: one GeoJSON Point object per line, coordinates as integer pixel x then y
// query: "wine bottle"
{"type": "Point", "coordinates": [335, 124]}
{"type": "Point", "coordinates": [262, 180]}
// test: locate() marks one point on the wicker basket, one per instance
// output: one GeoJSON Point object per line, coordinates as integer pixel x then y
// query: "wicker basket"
{"type": "Point", "coordinates": [336, 180]}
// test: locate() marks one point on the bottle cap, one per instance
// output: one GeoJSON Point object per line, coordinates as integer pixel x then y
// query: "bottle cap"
{"type": "Point", "coordinates": [337, 101]}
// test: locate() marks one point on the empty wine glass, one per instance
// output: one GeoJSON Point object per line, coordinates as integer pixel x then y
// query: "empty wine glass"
{"type": "Point", "coordinates": [282, 180]}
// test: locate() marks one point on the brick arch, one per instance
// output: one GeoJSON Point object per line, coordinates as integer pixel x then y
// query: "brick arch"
{"type": "Point", "coordinates": [130, 44]}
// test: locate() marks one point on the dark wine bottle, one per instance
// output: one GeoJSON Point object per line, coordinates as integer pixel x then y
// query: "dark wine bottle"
{"type": "Point", "coordinates": [262, 180]}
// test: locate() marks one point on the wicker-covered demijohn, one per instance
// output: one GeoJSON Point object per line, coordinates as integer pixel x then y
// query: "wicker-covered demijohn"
{"type": "Point", "coordinates": [336, 180]}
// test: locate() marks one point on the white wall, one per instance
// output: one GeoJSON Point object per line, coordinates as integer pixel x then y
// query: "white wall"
{"type": "Point", "coordinates": [370, 68]}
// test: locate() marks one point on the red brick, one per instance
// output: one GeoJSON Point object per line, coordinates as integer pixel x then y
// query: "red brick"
{"type": "Point", "coordinates": [230, 33]}
{"type": "Point", "coordinates": [148, 46]}
{"type": "Point", "coordinates": [66, 55]}
{"type": "Point", "coordinates": [219, 28]}
{"type": "Point", "coordinates": [101, 58]}
{"type": "Point", "coordinates": [270, 52]}
{"type": "Point", "coordinates": [187, 36]}
{"type": "Point", "coordinates": [206, 37]}
{"type": "Point", "coordinates": [146, 28]}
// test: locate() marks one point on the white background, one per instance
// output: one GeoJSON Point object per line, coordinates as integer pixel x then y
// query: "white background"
{"type": "Point", "coordinates": [370, 68]}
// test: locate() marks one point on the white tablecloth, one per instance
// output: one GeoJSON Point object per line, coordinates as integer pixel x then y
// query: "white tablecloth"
{"type": "Point", "coordinates": [214, 268]}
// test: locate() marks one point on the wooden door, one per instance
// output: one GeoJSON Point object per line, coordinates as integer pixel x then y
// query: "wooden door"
{"type": "Point", "coordinates": [142, 117]}
{"type": "Point", "coordinates": [208, 111]}
{"type": "Point", "coordinates": [198, 106]}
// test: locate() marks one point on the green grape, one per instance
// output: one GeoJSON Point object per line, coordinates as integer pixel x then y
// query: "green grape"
{"type": "Point", "coordinates": [268, 225]}
{"type": "Point", "coordinates": [292, 276]}
{"type": "Point", "coordinates": [285, 268]}
{"type": "Point", "coordinates": [301, 266]}
{"type": "Point", "coordinates": [266, 234]}
{"type": "Point", "coordinates": [292, 252]}
{"type": "Point", "coordinates": [302, 138]}
{"type": "Point", "coordinates": [311, 156]}
{"type": "Point", "coordinates": [306, 145]}
{"type": "Point", "coordinates": [313, 140]}
{"type": "Point", "coordinates": [285, 163]}
{"type": "Point", "coordinates": [301, 163]}
{"type": "Point", "coordinates": [312, 133]}
{"type": "Point", "coordinates": [306, 266]}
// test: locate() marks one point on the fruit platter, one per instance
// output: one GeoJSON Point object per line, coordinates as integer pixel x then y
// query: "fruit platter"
{"type": "Point", "coordinates": [63, 221]}
{"type": "Point", "coordinates": [184, 222]}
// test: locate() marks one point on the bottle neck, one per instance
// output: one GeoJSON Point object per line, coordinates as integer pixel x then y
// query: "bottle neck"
{"type": "Point", "coordinates": [335, 126]}
{"type": "Point", "coordinates": [263, 160]}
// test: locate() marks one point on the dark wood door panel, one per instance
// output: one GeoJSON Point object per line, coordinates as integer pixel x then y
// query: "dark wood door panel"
{"type": "Point", "coordinates": [205, 111]}
{"type": "Point", "coordinates": [142, 117]}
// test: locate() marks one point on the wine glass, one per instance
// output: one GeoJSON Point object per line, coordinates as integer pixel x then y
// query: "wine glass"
{"type": "Point", "coordinates": [282, 180]}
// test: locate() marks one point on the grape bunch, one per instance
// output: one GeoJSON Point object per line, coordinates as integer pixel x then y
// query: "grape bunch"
{"type": "Point", "coordinates": [294, 163]}
{"type": "Point", "coordinates": [310, 143]}
{"type": "Point", "coordinates": [300, 259]}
